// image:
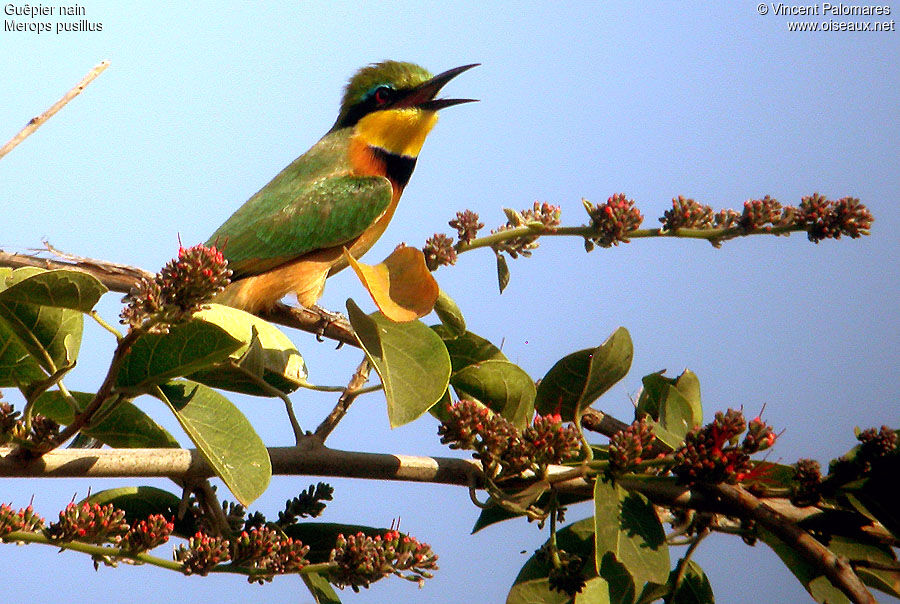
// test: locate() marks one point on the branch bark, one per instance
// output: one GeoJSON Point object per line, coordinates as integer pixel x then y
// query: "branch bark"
{"type": "Point", "coordinates": [838, 570]}
{"type": "Point", "coordinates": [314, 459]}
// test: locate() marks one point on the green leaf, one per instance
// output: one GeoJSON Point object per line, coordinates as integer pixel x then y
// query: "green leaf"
{"type": "Point", "coordinates": [537, 591]}
{"type": "Point", "coordinates": [502, 386]}
{"type": "Point", "coordinates": [694, 587]}
{"type": "Point", "coordinates": [320, 588]}
{"type": "Point", "coordinates": [125, 427]}
{"type": "Point", "coordinates": [265, 352]}
{"type": "Point", "coordinates": [627, 526]}
{"type": "Point", "coordinates": [188, 347]}
{"type": "Point", "coordinates": [75, 290]}
{"type": "Point", "coordinates": [450, 315]}
{"type": "Point", "coordinates": [480, 371]}
{"type": "Point", "coordinates": [468, 348]}
{"type": "Point", "coordinates": [52, 336]}
{"type": "Point", "coordinates": [674, 403]}
{"type": "Point", "coordinates": [410, 358]}
{"type": "Point", "coordinates": [887, 581]}
{"type": "Point", "coordinates": [619, 579]}
{"type": "Point", "coordinates": [17, 366]}
{"type": "Point", "coordinates": [656, 389]}
{"type": "Point", "coordinates": [817, 584]}
{"type": "Point", "coordinates": [223, 436]}
{"type": "Point", "coordinates": [577, 380]}
{"type": "Point", "coordinates": [502, 272]}
{"type": "Point", "coordinates": [531, 587]}
{"type": "Point", "coordinates": [675, 418]}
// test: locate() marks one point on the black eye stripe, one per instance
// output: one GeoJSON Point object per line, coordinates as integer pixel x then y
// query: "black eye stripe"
{"type": "Point", "coordinates": [374, 100]}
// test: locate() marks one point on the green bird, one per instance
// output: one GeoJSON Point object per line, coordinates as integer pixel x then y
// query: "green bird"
{"type": "Point", "coordinates": [342, 193]}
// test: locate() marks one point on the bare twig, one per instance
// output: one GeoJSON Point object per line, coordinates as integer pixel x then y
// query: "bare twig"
{"type": "Point", "coordinates": [357, 381]}
{"type": "Point", "coordinates": [116, 277]}
{"type": "Point", "coordinates": [36, 122]}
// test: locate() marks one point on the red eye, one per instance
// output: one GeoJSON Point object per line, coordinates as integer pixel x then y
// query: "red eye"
{"type": "Point", "coordinates": [382, 95]}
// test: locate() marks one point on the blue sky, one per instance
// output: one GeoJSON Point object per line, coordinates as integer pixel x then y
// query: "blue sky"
{"type": "Point", "coordinates": [204, 102]}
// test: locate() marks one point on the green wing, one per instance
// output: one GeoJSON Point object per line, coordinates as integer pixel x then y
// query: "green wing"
{"type": "Point", "coordinates": [292, 216]}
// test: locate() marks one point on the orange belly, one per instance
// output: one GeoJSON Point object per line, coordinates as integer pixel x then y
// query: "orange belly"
{"type": "Point", "coordinates": [306, 275]}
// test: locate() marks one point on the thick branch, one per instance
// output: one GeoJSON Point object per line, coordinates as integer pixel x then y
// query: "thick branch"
{"type": "Point", "coordinates": [187, 464]}
{"type": "Point", "coordinates": [838, 571]}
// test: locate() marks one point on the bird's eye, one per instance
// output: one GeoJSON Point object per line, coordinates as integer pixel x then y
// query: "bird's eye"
{"type": "Point", "coordinates": [382, 95]}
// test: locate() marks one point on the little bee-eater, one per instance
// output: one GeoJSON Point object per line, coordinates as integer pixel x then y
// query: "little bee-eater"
{"type": "Point", "coordinates": [290, 236]}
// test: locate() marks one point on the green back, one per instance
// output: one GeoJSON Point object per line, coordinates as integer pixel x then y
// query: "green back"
{"type": "Point", "coordinates": [313, 203]}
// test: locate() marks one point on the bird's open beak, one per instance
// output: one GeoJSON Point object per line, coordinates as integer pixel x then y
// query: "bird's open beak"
{"type": "Point", "coordinates": [422, 96]}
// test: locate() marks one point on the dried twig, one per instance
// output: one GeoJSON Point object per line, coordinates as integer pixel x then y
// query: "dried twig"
{"type": "Point", "coordinates": [36, 122]}
{"type": "Point", "coordinates": [360, 377]}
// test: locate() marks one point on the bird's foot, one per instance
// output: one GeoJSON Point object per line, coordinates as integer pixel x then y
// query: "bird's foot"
{"type": "Point", "coordinates": [326, 318]}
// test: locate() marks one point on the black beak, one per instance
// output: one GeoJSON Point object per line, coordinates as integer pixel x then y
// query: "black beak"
{"type": "Point", "coordinates": [422, 96]}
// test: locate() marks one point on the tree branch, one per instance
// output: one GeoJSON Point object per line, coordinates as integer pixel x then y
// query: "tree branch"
{"type": "Point", "coordinates": [357, 381]}
{"type": "Point", "coordinates": [36, 122]}
{"type": "Point", "coordinates": [837, 570]}
{"type": "Point", "coordinates": [121, 278]}
{"type": "Point", "coordinates": [189, 464]}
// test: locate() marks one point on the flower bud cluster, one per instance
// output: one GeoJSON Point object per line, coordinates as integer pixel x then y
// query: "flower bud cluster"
{"type": "Point", "coordinates": [568, 577]}
{"type": "Point", "coordinates": [760, 213]}
{"type": "Point", "coordinates": [89, 523]}
{"type": "Point", "coordinates": [146, 534]}
{"type": "Point", "coordinates": [467, 225]}
{"type": "Point", "coordinates": [759, 436]}
{"type": "Point", "coordinates": [612, 220]}
{"type": "Point", "coordinates": [361, 560]}
{"type": "Point", "coordinates": [711, 453]}
{"type": "Point", "coordinates": [18, 520]}
{"type": "Point", "coordinates": [631, 446]}
{"type": "Point", "coordinates": [504, 451]}
{"type": "Point", "coordinates": [876, 444]}
{"type": "Point", "coordinates": [549, 442]}
{"type": "Point", "coordinates": [439, 251]}
{"type": "Point", "coordinates": [9, 421]}
{"type": "Point", "coordinates": [820, 217]}
{"type": "Point", "coordinates": [826, 219]}
{"type": "Point", "coordinates": [202, 553]}
{"type": "Point", "coordinates": [12, 427]}
{"type": "Point", "coordinates": [496, 441]}
{"type": "Point", "coordinates": [544, 213]}
{"type": "Point", "coordinates": [179, 289]}
{"type": "Point", "coordinates": [265, 550]}
{"type": "Point", "coordinates": [308, 503]}
{"type": "Point", "coordinates": [687, 214]}
{"type": "Point", "coordinates": [807, 484]}
{"type": "Point", "coordinates": [876, 447]}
